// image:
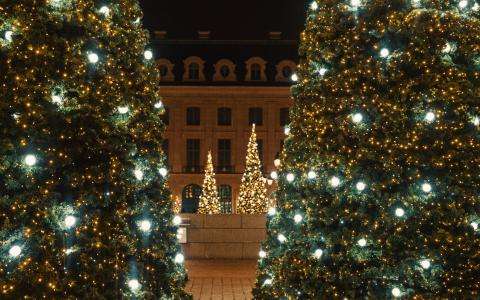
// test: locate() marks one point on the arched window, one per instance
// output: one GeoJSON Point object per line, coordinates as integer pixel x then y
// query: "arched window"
{"type": "Point", "coordinates": [163, 70]}
{"type": "Point", "coordinates": [225, 193]}
{"type": "Point", "coordinates": [193, 71]}
{"type": "Point", "coordinates": [287, 72]}
{"type": "Point", "coordinates": [225, 71]}
{"type": "Point", "coordinates": [255, 72]}
{"type": "Point", "coordinates": [285, 69]}
{"type": "Point", "coordinates": [190, 198]}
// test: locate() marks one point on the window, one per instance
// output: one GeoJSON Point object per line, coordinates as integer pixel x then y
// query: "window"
{"type": "Point", "coordinates": [165, 147]}
{"type": "Point", "coordinates": [225, 193]}
{"type": "Point", "coordinates": [163, 71]}
{"type": "Point", "coordinates": [165, 68]}
{"type": "Point", "coordinates": [225, 71]}
{"type": "Point", "coordinates": [193, 71]}
{"type": "Point", "coordinates": [255, 116]}
{"type": "Point", "coordinates": [287, 72]}
{"type": "Point", "coordinates": [193, 116]}
{"type": "Point", "coordinates": [166, 116]}
{"type": "Point", "coordinates": [190, 198]}
{"type": "Point", "coordinates": [193, 156]}
{"type": "Point", "coordinates": [224, 116]}
{"type": "Point", "coordinates": [255, 72]}
{"type": "Point", "coordinates": [284, 117]}
{"type": "Point", "coordinates": [224, 155]}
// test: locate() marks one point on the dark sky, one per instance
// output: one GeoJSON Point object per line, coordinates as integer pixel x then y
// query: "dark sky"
{"type": "Point", "coordinates": [227, 19]}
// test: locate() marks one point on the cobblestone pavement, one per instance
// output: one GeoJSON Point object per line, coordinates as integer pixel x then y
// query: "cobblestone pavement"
{"type": "Point", "coordinates": [220, 279]}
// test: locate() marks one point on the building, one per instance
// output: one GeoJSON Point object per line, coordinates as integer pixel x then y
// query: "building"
{"type": "Point", "coordinates": [213, 91]}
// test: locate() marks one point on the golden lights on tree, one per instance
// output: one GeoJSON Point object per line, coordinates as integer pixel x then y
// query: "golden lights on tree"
{"type": "Point", "coordinates": [209, 199]}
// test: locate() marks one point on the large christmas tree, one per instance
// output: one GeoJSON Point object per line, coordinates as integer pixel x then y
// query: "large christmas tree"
{"type": "Point", "coordinates": [379, 188]}
{"type": "Point", "coordinates": [209, 200]}
{"type": "Point", "coordinates": [252, 197]}
{"type": "Point", "coordinates": [84, 211]}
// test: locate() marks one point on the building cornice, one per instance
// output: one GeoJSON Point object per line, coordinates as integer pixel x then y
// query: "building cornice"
{"type": "Point", "coordinates": [225, 91]}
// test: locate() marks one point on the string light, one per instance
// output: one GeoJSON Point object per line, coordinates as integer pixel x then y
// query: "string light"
{"type": "Point", "coordinates": [322, 71]}
{"type": "Point", "coordinates": [430, 116]}
{"type": "Point", "coordinates": [314, 5]}
{"type": "Point", "coordinates": [384, 53]}
{"type": "Point", "coordinates": [334, 181]}
{"type": "Point", "coordinates": [158, 105]}
{"type": "Point", "coordinates": [93, 58]}
{"type": "Point", "coordinates": [357, 118]}
{"type": "Point", "coordinates": [134, 285]}
{"type": "Point", "coordinates": [312, 175]}
{"type": "Point", "coordinates": [274, 175]}
{"type": "Point", "coordinates": [362, 242]}
{"type": "Point", "coordinates": [281, 238]}
{"type": "Point", "coordinates": [267, 281]}
{"type": "Point", "coordinates": [286, 130]}
{"type": "Point", "coordinates": [179, 258]}
{"type": "Point", "coordinates": [426, 187]}
{"type": "Point", "coordinates": [474, 226]}
{"type": "Point", "coordinates": [272, 211]}
{"type": "Point", "coordinates": [294, 77]}
{"type": "Point", "coordinates": [104, 10]}
{"type": "Point", "coordinates": [163, 171]}
{"type": "Point", "coordinates": [145, 225]}
{"type": "Point", "coordinates": [57, 99]}
{"type": "Point", "coordinates": [290, 177]}
{"type": "Point", "coordinates": [148, 54]}
{"type": "Point", "coordinates": [355, 3]}
{"type": "Point", "coordinates": [475, 7]}
{"type": "Point", "coordinates": [8, 36]}
{"type": "Point", "coordinates": [399, 212]}
{"type": "Point", "coordinates": [318, 253]}
{"type": "Point", "coordinates": [123, 109]}
{"type": "Point", "coordinates": [70, 221]}
{"type": "Point", "coordinates": [360, 186]}
{"type": "Point", "coordinates": [463, 4]}
{"type": "Point", "coordinates": [30, 160]}
{"type": "Point", "coordinates": [396, 292]}
{"type": "Point", "coordinates": [177, 220]}
{"type": "Point", "coordinates": [425, 264]}
{"type": "Point", "coordinates": [476, 121]}
{"type": "Point", "coordinates": [138, 174]}
{"type": "Point", "coordinates": [297, 218]}
{"type": "Point", "coordinates": [262, 254]}
{"type": "Point", "coordinates": [15, 251]}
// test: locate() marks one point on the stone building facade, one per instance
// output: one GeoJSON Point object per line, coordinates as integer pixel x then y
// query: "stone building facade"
{"type": "Point", "coordinates": [213, 90]}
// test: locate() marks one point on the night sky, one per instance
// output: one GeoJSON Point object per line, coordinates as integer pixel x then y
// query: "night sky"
{"type": "Point", "coordinates": [227, 19]}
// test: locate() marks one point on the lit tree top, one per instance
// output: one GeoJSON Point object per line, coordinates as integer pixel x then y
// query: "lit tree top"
{"type": "Point", "coordinates": [209, 200]}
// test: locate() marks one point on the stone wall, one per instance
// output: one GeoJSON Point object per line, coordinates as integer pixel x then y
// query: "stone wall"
{"type": "Point", "coordinates": [223, 236]}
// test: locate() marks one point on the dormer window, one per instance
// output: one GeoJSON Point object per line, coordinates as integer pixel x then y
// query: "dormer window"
{"type": "Point", "coordinates": [255, 72]}
{"type": "Point", "coordinates": [256, 69]}
{"type": "Point", "coordinates": [285, 69]}
{"type": "Point", "coordinates": [165, 68]}
{"type": "Point", "coordinates": [224, 71]}
{"type": "Point", "coordinates": [194, 67]}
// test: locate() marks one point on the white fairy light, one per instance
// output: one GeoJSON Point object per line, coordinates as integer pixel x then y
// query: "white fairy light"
{"type": "Point", "coordinates": [277, 162]}
{"type": "Point", "coordinates": [93, 58]}
{"type": "Point", "coordinates": [318, 253]}
{"type": "Point", "coordinates": [134, 285]}
{"type": "Point", "coordinates": [362, 242]}
{"type": "Point", "coordinates": [396, 292]}
{"type": "Point", "coordinates": [384, 53]}
{"type": "Point", "coordinates": [297, 218]}
{"type": "Point", "coordinates": [474, 225]}
{"type": "Point", "coordinates": [15, 251]}
{"type": "Point", "coordinates": [475, 7]}
{"type": "Point", "coordinates": [334, 181]}
{"type": "Point", "coordinates": [476, 121]}
{"type": "Point", "coordinates": [357, 118]}
{"type": "Point", "coordinates": [148, 54]}
{"type": "Point", "coordinates": [57, 99]}
{"type": "Point", "coordinates": [104, 10]}
{"type": "Point", "coordinates": [30, 160]}
{"type": "Point", "coordinates": [430, 116]}
{"type": "Point", "coordinates": [163, 171]}
{"type": "Point", "coordinates": [179, 258]}
{"type": "Point", "coordinates": [123, 109]}
{"type": "Point", "coordinates": [312, 175]}
{"type": "Point", "coordinates": [70, 221]}
{"type": "Point", "coordinates": [262, 254]}
{"type": "Point", "coordinates": [8, 36]}
{"type": "Point", "coordinates": [158, 105]}
{"type": "Point", "coordinates": [314, 5]}
{"type": "Point", "coordinates": [268, 281]}
{"type": "Point", "coordinates": [355, 3]}
{"type": "Point", "coordinates": [426, 187]}
{"type": "Point", "coordinates": [145, 225]}
{"type": "Point", "coordinates": [281, 238]}
{"type": "Point", "coordinates": [177, 220]}
{"type": "Point", "coordinates": [294, 77]}
{"type": "Point", "coordinates": [322, 71]}
{"type": "Point", "coordinates": [138, 174]}
{"type": "Point", "coordinates": [290, 177]}
{"type": "Point", "coordinates": [360, 186]}
{"type": "Point", "coordinates": [399, 212]}
{"type": "Point", "coordinates": [425, 264]}
{"type": "Point", "coordinates": [274, 175]}
{"type": "Point", "coordinates": [286, 130]}
{"type": "Point", "coordinates": [272, 211]}
{"type": "Point", "coordinates": [462, 4]}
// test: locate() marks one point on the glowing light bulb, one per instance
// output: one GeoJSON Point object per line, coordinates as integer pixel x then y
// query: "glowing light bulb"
{"type": "Point", "coordinates": [312, 175]}
{"type": "Point", "coordinates": [145, 225]}
{"type": "Point", "coordinates": [430, 116]}
{"type": "Point", "coordinates": [447, 48]}
{"type": "Point", "coordinates": [425, 264]}
{"type": "Point", "coordinates": [281, 238]}
{"type": "Point", "coordinates": [123, 109]}
{"type": "Point", "coordinates": [277, 162]}
{"type": "Point", "coordinates": [318, 253]}
{"type": "Point", "coordinates": [357, 118]}
{"type": "Point", "coordinates": [360, 186]}
{"type": "Point", "coordinates": [322, 71]}
{"type": "Point", "coordinates": [177, 220]}
{"type": "Point", "coordinates": [290, 177]}
{"type": "Point", "coordinates": [362, 242]}
{"type": "Point", "coordinates": [462, 4]}
{"type": "Point", "coordinates": [355, 3]}
{"type": "Point", "coordinates": [384, 52]}
{"type": "Point", "coordinates": [272, 211]}
{"type": "Point", "coordinates": [399, 212]}
{"type": "Point", "coordinates": [158, 105]}
{"type": "Point", "coordinates": [297, 218]}
{"type": "Point", "coordinates": [396, 292]}
{"type": "Point", "coordinates": [262, 254]}
{"type": "Point", "coordinates": [134, 285]}
{"type": "Point", "coordinates": [163, 172]}
{"type": "Point", "coordinates": [475, 7]}
{"type": "Point", "coordinates": [426, 187]}
{"type": "Point", "coordinates": [104, 10]}
{"type": "Point", "coordinates": [474, 226]}
{"type": "Point", "coordinates": [138, 174]}
{"type": "Point", "coordinates": [15, 251]}
{"type": "Point", "coordinates": [274, 175]}
{"type": "Point", "coordinates": [148, 54]}
{"type": "Point", "coordinates": [314, 5]}
{"type": "Point", "coordinates": [268, 281]}
{"type": "Point", "coordinates": [93, 58]}
{"type": "Point", "coordinates": [30, 160]}
{"type": "Point", "coordinates": [286, 130]}
{"type": "Point", "coordinates": [179, 258]}
{"type": "Point", "coordinates": [70, 221]}
{"type": "Point", "coordinates": [334, 181]}
{"type": "Point", "coordinates": [476, 121]}
{"type": "Point", "coordinates": [294, 77]}
{"type": "Point", "coordinates": [8, 35]}
{"type": "Point", "coordinates": [57, 99]}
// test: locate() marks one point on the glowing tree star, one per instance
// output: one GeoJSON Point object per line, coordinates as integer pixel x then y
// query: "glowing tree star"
{"type": "Point", "coordinates": [85, 212]}
{"type": "Point", "coordinates": [252, 198]}
{"type": "Point", "coordinates": [209, 200]}
{"type": "Point", "coordinates": [390, 131]}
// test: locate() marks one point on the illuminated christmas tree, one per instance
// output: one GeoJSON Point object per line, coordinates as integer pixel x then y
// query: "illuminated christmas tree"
{"type": "Point", "coordinates": [84, 210]}
{"type": "Point", "coordinates": [252, 198]}
{"type": "Point", "coordinates": [209, 200]}
{"type": "Point", "coordinates": [378, 188]}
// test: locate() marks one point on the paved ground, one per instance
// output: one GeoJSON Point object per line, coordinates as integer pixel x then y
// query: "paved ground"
{"type": "Point", "coordinates": [220, 279]}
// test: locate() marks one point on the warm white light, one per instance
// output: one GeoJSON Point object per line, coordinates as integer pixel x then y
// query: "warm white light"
{"type": "Point", "coordinates": [384, 52]}
{"type": "Point", "coordinates": [476, 121]}
{"type": "Point", "coordinates": [312, 175]}
{"type": "Point", "coordinates": [15, 251]}
{"type": "Point", "coordinates": [399, 212]}
{"type": "Point", "coordinates": [357, 118]}
{"type": "Point", "coordinates": [425, 263]}
{"type": "Point", "coordinates": [145, 225]}
{"type": "Point", "coordinates": [123, 109]}
{"type": "Point", "coordinates": [262, 254]}
{"type": "Point", "coordinates": [70, 221]}
{"type": "Point", "coordinates": [272, 211]}
{"type": "Point", "coordinates": [104, 10]}
{"type": "Point", "coordinates": [294, 77]}
{"type": "Point", "coordinates": [290, 177]}
{"type": "Point", "coordinates": [57, 99]}
{"type": "Point", "coordinates": [148, 54]}
{"type": "Point", "coordinates": [8, 35]}
{"type": "Point", "coordinates": [396, 292]}
{"type": "Point", "coordinates": [426, 187]}
{"type": "Point", "coordinates": [134, 285]}
{"type": "Point", "coordinates": [314, 5]}
{"type": "Point", "coordinates": [297, 218]}
{"type": "Point", "coordinates": [158, 105]}
{"type": "Point", "coordinates": [362, 242]}
{"type": "Point", "coordinates": [30, 160]}
{"type": "Point", "coordinates": [277, 162]}
{"type": "Point", "coordinates": [179, 258]}
{"type": "Point", "coordinates": [334, 181]}
{"type": "Point", "coordinates": [281, 238]}
{"type": "Point", "coordinates": [163, 172]}
{"type": "Point", "coordinates": [274, 175]}
{"type": "Point", "coordinates": [475, 7]}
{"type": "Point", "coordinates": [355, 3]}
{"type": "Point", "coordinates": [268, 281]}
{"type": "Point", "coordinates": [138, 174]}
{"type": "Point", "coordinates": [322, 71]}
{"type": "Point", "coordinates": [360, 186]}
{"type": "Point", "coordinates": [462, 4]}
{"type": "Point", "coordinates": [474, 225]}
{"type": "Point", "coordinates": [93, 58]}
{"type": "Point", "coordinates": [286, 130]}
{"type": "Point", "coordinates": [430, 116]}
{"type": "Point", "coordinates": [177, 220]}
{"type": "Point", "coordinates": [318, 253]}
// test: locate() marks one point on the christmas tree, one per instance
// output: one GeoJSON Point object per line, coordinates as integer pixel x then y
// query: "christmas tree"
{"type": "Point", "coordinates": [252, 198]}
{"type": "Point", "coordinates": [209, 200]}
{"type": "Point", "coordinates": [84, 210]}
{"type": "Point", "coordinates": [378, 190]}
